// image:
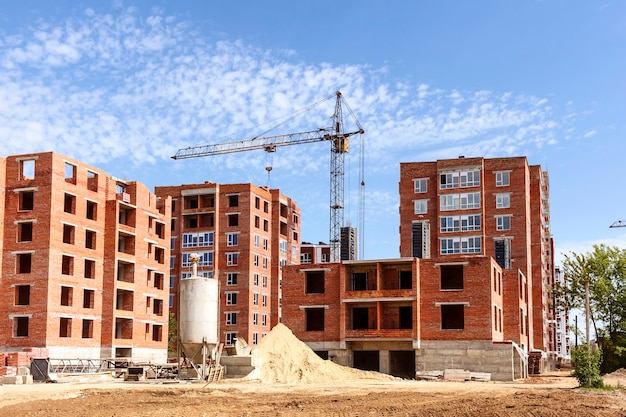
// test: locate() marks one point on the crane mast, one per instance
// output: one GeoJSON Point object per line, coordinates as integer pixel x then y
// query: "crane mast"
{"type": "Point", "coordinates": [339, 146]}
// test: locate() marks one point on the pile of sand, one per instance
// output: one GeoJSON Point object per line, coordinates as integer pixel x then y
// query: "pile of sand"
{"type": "Point", "coordinates": [283, 358]}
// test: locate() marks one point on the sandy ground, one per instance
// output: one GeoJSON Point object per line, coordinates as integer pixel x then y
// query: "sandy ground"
{"type": "Point", "coordinates": [550, 395]}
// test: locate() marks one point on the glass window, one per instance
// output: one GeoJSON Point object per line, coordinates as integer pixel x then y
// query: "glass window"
{"type": "Point", "coordinates": [420, 206]}
{"type": "Point", "coordinates": [420, 185]}
{"type": "Point", "coordinates": [449, 202]}
{"type": "Point", "coordinates": [449, 180]}
{"type": "Point", "coordinates": [449, 224]}
{"type": "Point", "coordinates": [470, 200]}
{"type": "Point", "coordinates": [231, 278]}
{"type": "Point", "coordinates": [503, 178]}
{"type": "Point", "coordinates": [232, 259]}
{"type": "Point", "coordinates": [470, 245]}
{"type": "Point", "coordinates": [449, 246]}
{"type": "Point", "coordinates": [469, 223]}
{"type": "Point", "coordinates": [233, 239]}
{"type": "Point", "coordinates": [470, 178]}
{"type": "Point", "coordinates": [231, 298]}
{"type": "Point", "coordinates": [503, 222]}
{"type": "Point", "coordinates": [503, 200]}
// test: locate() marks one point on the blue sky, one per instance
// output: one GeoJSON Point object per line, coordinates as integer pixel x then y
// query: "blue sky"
{"type": "Point", "coordinates": [123, 85]}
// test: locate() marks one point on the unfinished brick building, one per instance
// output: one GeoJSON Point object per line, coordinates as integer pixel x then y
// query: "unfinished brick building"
{"type": "Point", "coordinates": [244, 234]}
{"type": "Point", "coordinates": [469, 291]}
{"type": "Point", "coordinates": [83, 262]}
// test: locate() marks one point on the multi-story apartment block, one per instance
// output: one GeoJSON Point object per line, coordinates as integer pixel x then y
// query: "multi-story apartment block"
{"type": "Point", "coordinates": [469, 290]}
{"type": "Point", "coordinates": [456, 208]}
{"type": "Point", "coordinates": [244, 235]}
{"type": "Point", "coordinates": [83, 262]}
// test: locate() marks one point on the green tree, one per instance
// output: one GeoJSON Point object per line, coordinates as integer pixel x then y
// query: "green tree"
{"type": "Point", "coordinates": [587, 362]}
{"type": "Point", "coordinates": [172, 335]}
{"type": "Point", "coordinates": [605, 270]}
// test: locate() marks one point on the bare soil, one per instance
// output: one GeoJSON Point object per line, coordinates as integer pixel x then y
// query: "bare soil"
{"type": "Point", "coordinates": [550, 395]}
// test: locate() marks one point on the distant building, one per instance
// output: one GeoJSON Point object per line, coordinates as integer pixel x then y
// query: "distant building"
{"type": "Point", "coordinates": [472, 280]}
{"type": "Point", "coordinates": [244, 235]}
{"type": "Point", "coordinates": [320, 252]}
{"type": "Point", "coordinates": [84, 261]}
{"type": "Point", "coordinates": [314, 253]}
{"type": "Point", "coordinates": [563, 342]}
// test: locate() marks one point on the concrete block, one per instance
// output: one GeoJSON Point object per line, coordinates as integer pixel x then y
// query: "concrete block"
{"type": "Point", "coordinates": [13, 380]}
{"type": "Point", "coordinates": [27, 379]}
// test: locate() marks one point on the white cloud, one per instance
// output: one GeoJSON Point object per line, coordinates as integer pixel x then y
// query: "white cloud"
{"type": "Point", "coordinates": [125, 87]}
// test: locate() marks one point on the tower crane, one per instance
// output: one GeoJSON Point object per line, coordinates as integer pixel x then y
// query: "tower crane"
{"type": "Point", "coordinates": [619, 223]}
{"type": "Point", "coordinates": [339, 146]}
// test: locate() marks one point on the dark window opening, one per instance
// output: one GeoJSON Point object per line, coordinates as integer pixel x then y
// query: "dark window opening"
{"type": "Point", "coordinates": [191, 222]}
{"type": "Point", "coordinates": [406, 280]}
{"type": "Point", "coordinates": [359, 281]}
{"type": "Point", "coordinates": [21, 326]}
{"type": "Point", "coordinates": [367, 360]}
{"type": "Point", "coordinates": [25, 232]}
{"type": "Point", "coordinates": [92, 210]}
{"type": "Point", "coordinates": [68, 234]}
{"type": "Point", "coordinates": [65, 327]}
{"type": "Point", "coordinates": [502, 253]}
{"type": "Point", "coordinates": [452, 317]}
{"type": "Point", "coordinates": [233, 201]}
{"type": "Point", "coordinates": [314, 282]}
{"type": "Point", "coordinates": [90, 239]}
{"type": "Point", "coordinates": [233, 220]}
{"type": "Point", "coordinates": [314, 319]}
{"type": "Point", "coordinates": [417, 236]}
{"type": "Point", "coordinates": [360, 318]}
{"type": "Point", "coordinates": [69, 204]}
{"type": "Point", "coordinates": [87, 329]}
{"type": "Point", "coordinates": [24, 263]}
{"type": "Point", "coordinates": [157, 333]}
{"type": "Point", "coordinates": [322, 354]}
{"type": "Point", "coordinates": [451, 277]}
{"type": "Point", "coordinates": [22, 295]}
{"type": "Point", "coordinates": [90, 268]}
{"type": "Point", "coordinates": [88, 298]}
{"type": "Point", "coordinates": [191, 202]}
{"type": "Point", "coordinates": [27, 200]}
{"type": "Point", "coordinates": [406, 317]}
{"type": "Point", "coordinates": [67, 265]}
{"type": "Point", "coordinates": [66, 296]}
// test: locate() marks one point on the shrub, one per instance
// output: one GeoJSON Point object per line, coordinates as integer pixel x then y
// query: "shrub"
{"type": "Point", "coordinates": [587, 363]}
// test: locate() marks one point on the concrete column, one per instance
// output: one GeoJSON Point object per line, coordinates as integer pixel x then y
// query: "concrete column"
{"type": "Point", "coordinates": [383, 361]}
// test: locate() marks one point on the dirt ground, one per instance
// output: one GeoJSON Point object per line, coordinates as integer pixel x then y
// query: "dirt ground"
{"type": "Point", "coordinates": [549, 395]}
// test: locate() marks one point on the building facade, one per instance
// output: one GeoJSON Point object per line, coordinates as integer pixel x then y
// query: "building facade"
{"type": "Point", "coordinates": [457, 208]}
{"type": "Point", "coordinates": [469, 290]}
{"type": "Point", "coordinates": [244, 235]}
{"type": "Point", "coordinates": [83, 262]}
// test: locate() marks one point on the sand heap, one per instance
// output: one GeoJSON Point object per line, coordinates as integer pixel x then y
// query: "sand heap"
{"type": "Point", "coordinates": [283, 358]}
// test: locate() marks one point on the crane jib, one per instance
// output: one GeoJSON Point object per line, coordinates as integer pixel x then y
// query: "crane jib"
{"type": "Point", "coordinates": [265, 143]}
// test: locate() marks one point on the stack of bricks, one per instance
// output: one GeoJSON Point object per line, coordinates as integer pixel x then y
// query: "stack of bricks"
{"type": "Point", "coordinates": [15, 366]}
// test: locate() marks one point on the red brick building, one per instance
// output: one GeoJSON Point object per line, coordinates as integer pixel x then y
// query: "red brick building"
{"type": "Point", "coordinates": [469, 291]}
{"type": "Point", "coordinates": [83, 261]}
{"type": "Point", "coordinates": [244, 235]}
